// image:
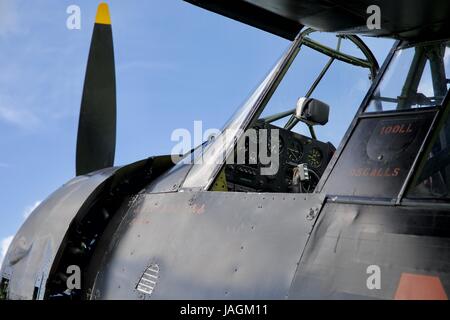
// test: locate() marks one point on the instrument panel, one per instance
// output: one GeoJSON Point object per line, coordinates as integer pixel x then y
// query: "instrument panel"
{"type": "Point", "coordinates": [293, 149]}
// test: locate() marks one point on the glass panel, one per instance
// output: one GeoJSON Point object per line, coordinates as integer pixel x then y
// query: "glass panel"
{"type": "Point", "coordinates": [301, 155]}
{"type": "Point", "coordinates": [343, 88]}
{"type": "Point", "coordinates": [416, 78]}
{"type": "Point", "coordinates": [279, 122]}
{"type": "Point", "coordinates": [212, 154]}
{"type": "Point", "coordinates": [379, 155]}
{"type": "Point", "coordinates": [433, 181]}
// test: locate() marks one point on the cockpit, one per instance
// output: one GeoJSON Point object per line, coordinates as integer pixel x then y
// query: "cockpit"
{"type": "Point", "coordinates": [269, 158]}
{"type": "Point", "coordinates": [280, 151]}
{"type": "Point", "coordinates": [283, 140]}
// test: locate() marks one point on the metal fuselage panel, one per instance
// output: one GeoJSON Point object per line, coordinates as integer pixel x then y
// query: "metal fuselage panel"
{"type": "Point", "coordinates": [47, 242]}
{"type": "Point", "coordinates": [410, 246]}
{"type": "Point", "coordinates": [36, 245]}
{"type": "Point", "coordinates": [208, 245]}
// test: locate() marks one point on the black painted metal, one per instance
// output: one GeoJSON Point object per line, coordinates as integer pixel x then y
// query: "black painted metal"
{"type": "Point", "coordinates": [96, 143]}
{"type": "Point", "coordinates": [208, 245]}
{"type": "Point", "coordinates": [35, 246]}
{"type": "Point", "coordinates": [200, 244]}
{"type": "Point", "coordinates": [49, 240]}
{"type": "Point", "coordinates": [400, 19]}
{"type": "Point", "coordinates": [349, 238]}
{"type": "Point", "coordinates": [254, 15]}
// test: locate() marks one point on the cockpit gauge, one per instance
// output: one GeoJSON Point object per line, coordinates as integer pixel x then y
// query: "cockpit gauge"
{"type": "Point", "coordinates": [295, 153]}
{"type": "Point", "coordinates": [315, 158]}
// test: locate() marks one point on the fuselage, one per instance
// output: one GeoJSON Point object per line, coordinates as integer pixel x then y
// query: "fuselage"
{"type": "Point", "coordinates": [373, 225]}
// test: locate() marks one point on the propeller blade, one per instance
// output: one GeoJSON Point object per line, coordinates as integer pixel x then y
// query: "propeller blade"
{"type": "Point", "coordinates": [96, 141]}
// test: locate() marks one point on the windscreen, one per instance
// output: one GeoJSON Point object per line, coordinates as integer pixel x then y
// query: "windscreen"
{"type": "Point", "coordinates": [384, 145]}
{"type": "Point", "coordinates": [416, 78]}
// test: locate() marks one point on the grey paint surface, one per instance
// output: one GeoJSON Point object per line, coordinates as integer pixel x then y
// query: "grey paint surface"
{"type": "Point", "coordinates": [34, 248]}
{"type": "Point", "coordinates": [208, 245]}
{"type": "Point", "coordinates": [348, 238]}
{"type": "Point", "coordinates": [170, 180]}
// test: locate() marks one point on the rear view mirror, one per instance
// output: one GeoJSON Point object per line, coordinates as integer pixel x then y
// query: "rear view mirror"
{"type": "Point", "coordinates": [312, 111]}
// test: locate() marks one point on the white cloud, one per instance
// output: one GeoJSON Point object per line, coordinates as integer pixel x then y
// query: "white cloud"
{"type": "Point", "coordinates": [4, 165]}
{"type": "Point", "coordinates": [20, 118]}
{"type": "Point", "coordinates": [4, 247]}
{"type": "Point", "coordinates": [28, 210]}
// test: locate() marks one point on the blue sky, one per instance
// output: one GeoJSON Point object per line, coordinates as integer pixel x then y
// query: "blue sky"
{"type": "Point", "coordinates": [175, 64]}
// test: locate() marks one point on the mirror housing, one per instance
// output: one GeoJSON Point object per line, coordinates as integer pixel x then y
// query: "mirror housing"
{"type": "Point", "coordinates": [312, 111]}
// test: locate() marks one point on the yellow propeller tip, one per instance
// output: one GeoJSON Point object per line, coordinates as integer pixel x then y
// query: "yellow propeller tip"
{"type": "Point", "coordinates": [103, 16]}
